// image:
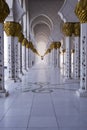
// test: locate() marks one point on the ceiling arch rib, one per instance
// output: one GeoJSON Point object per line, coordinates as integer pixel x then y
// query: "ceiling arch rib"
{"type": "Point", "coordinates": [41, 27]}
{"type": "Point", "coordinates": [41, 22]}
{"type": "Point", "coordinates": [41, 19]}
{"type": "Point", "coordinates": [67, 11]}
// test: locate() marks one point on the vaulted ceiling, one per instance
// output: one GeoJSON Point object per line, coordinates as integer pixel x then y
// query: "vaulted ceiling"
{"type": "Point", "coordinates": [46, 18]}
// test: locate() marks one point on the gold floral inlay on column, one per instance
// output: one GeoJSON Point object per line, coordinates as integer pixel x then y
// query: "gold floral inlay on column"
{"type": "Point", "coordinates": [67, 28]}
{"type": "Point", "coordinates": [81, 11]}
{"type": "Point", "coordinates": [12, 29]}
{"type": "Point", "coordinates": [4, 10]}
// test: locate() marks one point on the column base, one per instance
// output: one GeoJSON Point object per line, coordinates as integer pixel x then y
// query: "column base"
{"type": "Point", "coordinates": [4, 92]}
{"type": "Point", "coordinates": [81, 93]}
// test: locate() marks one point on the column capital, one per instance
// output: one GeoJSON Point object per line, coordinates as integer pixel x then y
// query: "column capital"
{"type": "Point", "coordinates": [12, 28]}
{"type": "Point", "coordinates": [49, 50]}
{"type": "Point", "coordinates": [4, 10]}
{"type": "Point", "coordinates": [64, 50]}
{"type": "Point", "coordinates": [55, 45]}
{"type": "Point", "coordinates": [51, 46]}
{"type": "Point", "coordinates": [72, 50]}
{"type": "Point", "coordinates": [20, 37]}
{"type": "Point", "coordinates": [58, 44]}
{"type": "Point", "coordinates": [27, 45]}
{"type": "Point", "coordinates": [77, 29]}
{"type": "Point", "coordinates": [81, 11]}
{"type": "Point", "coordinates": [24, 42]}
{"type": "Point", "coordinates": [31, 45]}
{"type": "Point", "coordinates": [67, 28]}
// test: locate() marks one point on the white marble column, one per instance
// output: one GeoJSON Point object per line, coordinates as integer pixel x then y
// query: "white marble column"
{"type": "Point", "coordinates": [77, 58]}
{"type": "Point", "coordinates": [16, 58]}
{"type": "Point", "coordinates": [83, 65]}
{"type": "Point", "coordinates": [21, 71]}
{"type": "Point", "coordinates": [72, 62]}
{"type": "Point", "coordinates": [24, 42]}
{"type": "Point", "coordinates": [58, 58]}
{"type": "Point", "coordinates": [33, 58]}
{"type": "Point", "coordinates": [63, 53]}
{"type": "Point", "coordinates": [68, 57]}
{"type": "Point", "coordinates": [30, 62]}
{"type": "Point", "coordinates": [12, 30]}
{"type": "Point", "coordinates": [55, 57]}
{"type": "Point", "coordinates": [76, 40]}
{"type": "Point", "coordinates": [19, 58]}
{"type": "Point", "coordinates": [27, 56]}
{"type": "Point", "coordinates": [25, 34]}
{"type": "Point", "coordinates": [68, 31]}
{"type": "Point", "coordinates": [4, 11]}
{"type": "Point", "coordinates": [24, 58]}
{"type": "Point", "coordinates": [20, 39]}
{"type": "Point", "coordinates": [25, 67]}
{"type": "Point", "coordinates": [11, 62]}
{"type": "Point", "coordinates": [49, 57]}
{"type": "Point", "coordinates": [2, 87]}
{"type": "Point", "coordinates": [81, 12]}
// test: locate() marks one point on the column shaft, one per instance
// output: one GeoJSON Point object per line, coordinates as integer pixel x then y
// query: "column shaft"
{"type": "Point", "coordinates": [68, 57]}
{"type": "Point", "coordinates": [55, 57]}
{"type": "Point", "coordinates": [1, 59]}
{"type": "Point", "coordinates": [83, 72]}
{"type": "Point", "coordinates": [77, 58]}
{"type": "Point", "coordinates": [21, 72]}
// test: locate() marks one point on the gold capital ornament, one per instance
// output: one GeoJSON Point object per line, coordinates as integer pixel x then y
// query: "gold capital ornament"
{"type": "Point", "coordinates": [81, 11]}
{"type": "Point", "coordinates": [31, 46]}
{"type": "Point", "coordinates": [77, 29]}
{"type": "Point", "coordinates": [67, 28]}
{"type": "Point", "coordinates": [20, 37]}
{"type": "Point", "coordinates": [24, 42]}
{"type": "Point", "coordinates": [63, 51]}
{"type": "Point", "coordinates": [55, 45]}
{"type": "Point", "coordinates": [4, 10]}
{"type": "Point", "coordinates": [12, 28]}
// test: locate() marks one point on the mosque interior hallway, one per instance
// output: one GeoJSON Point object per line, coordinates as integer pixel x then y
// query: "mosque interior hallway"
{"type": "Point", "coordinates": [43, 101]}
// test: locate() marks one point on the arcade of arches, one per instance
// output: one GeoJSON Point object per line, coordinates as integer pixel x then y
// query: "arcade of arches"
{"type": "Point", "coordinates": [43, 64]}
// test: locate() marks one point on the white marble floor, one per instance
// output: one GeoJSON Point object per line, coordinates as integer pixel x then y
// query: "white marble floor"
{"type": "Point", "coordinates": [43, 102]}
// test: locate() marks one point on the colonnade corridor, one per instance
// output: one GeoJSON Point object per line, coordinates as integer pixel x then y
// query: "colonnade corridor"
{"type": "Point", "coordinates": [43, 101]}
